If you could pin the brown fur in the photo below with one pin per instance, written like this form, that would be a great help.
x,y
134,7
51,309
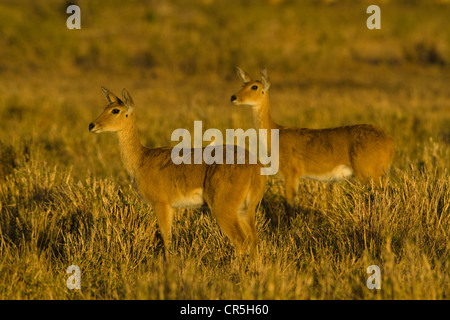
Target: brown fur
x,y
332,154
232,191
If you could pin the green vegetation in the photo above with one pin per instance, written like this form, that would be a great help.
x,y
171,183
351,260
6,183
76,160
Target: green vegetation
x,y
66,199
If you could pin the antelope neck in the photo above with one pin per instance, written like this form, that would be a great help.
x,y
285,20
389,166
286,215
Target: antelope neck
x,y
261,115
131,149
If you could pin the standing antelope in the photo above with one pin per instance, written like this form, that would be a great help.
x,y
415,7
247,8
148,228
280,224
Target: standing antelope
x,y
331,154
232,191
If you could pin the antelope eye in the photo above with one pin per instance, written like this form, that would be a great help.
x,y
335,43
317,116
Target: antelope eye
x,y
254,87
115,111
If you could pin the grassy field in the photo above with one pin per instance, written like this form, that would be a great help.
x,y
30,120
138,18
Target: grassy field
x,y
65,198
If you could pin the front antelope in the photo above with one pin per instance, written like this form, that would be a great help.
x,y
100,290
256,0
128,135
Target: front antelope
x,y
332,154
232,191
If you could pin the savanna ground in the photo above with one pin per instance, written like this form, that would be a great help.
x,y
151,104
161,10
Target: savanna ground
x,y
65,198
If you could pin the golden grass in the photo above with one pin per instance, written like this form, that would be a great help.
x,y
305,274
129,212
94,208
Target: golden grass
x,y
65,198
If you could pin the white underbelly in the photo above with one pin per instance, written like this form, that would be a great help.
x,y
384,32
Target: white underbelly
x,y
339,173
192,200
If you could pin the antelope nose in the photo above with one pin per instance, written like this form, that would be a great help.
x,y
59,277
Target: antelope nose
x,y
91,126
233,97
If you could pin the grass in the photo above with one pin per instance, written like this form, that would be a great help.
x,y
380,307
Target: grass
x,y
66,199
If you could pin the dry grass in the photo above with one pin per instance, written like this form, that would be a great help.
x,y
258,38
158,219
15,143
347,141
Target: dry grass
x,y
65,198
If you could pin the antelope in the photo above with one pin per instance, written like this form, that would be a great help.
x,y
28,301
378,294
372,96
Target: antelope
x,y
332,154
232,191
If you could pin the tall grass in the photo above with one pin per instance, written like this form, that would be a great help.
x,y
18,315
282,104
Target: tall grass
x,y
65,198
49,222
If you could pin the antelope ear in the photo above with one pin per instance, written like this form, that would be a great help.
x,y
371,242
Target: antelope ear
x,y
265,79
110,97
128,100
243,76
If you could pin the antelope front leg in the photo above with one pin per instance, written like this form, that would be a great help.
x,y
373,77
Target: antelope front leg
x,y
291,187
164,214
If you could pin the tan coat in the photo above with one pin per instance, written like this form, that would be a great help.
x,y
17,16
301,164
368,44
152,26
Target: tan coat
x,y
364,151
232,191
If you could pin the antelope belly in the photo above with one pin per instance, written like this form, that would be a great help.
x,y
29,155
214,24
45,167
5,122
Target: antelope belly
x,y
193,199
339,173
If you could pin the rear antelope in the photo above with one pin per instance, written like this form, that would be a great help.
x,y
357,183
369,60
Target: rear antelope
x,y
333,154
232,191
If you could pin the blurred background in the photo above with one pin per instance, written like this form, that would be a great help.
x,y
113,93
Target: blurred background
x,y
66,199
177,59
